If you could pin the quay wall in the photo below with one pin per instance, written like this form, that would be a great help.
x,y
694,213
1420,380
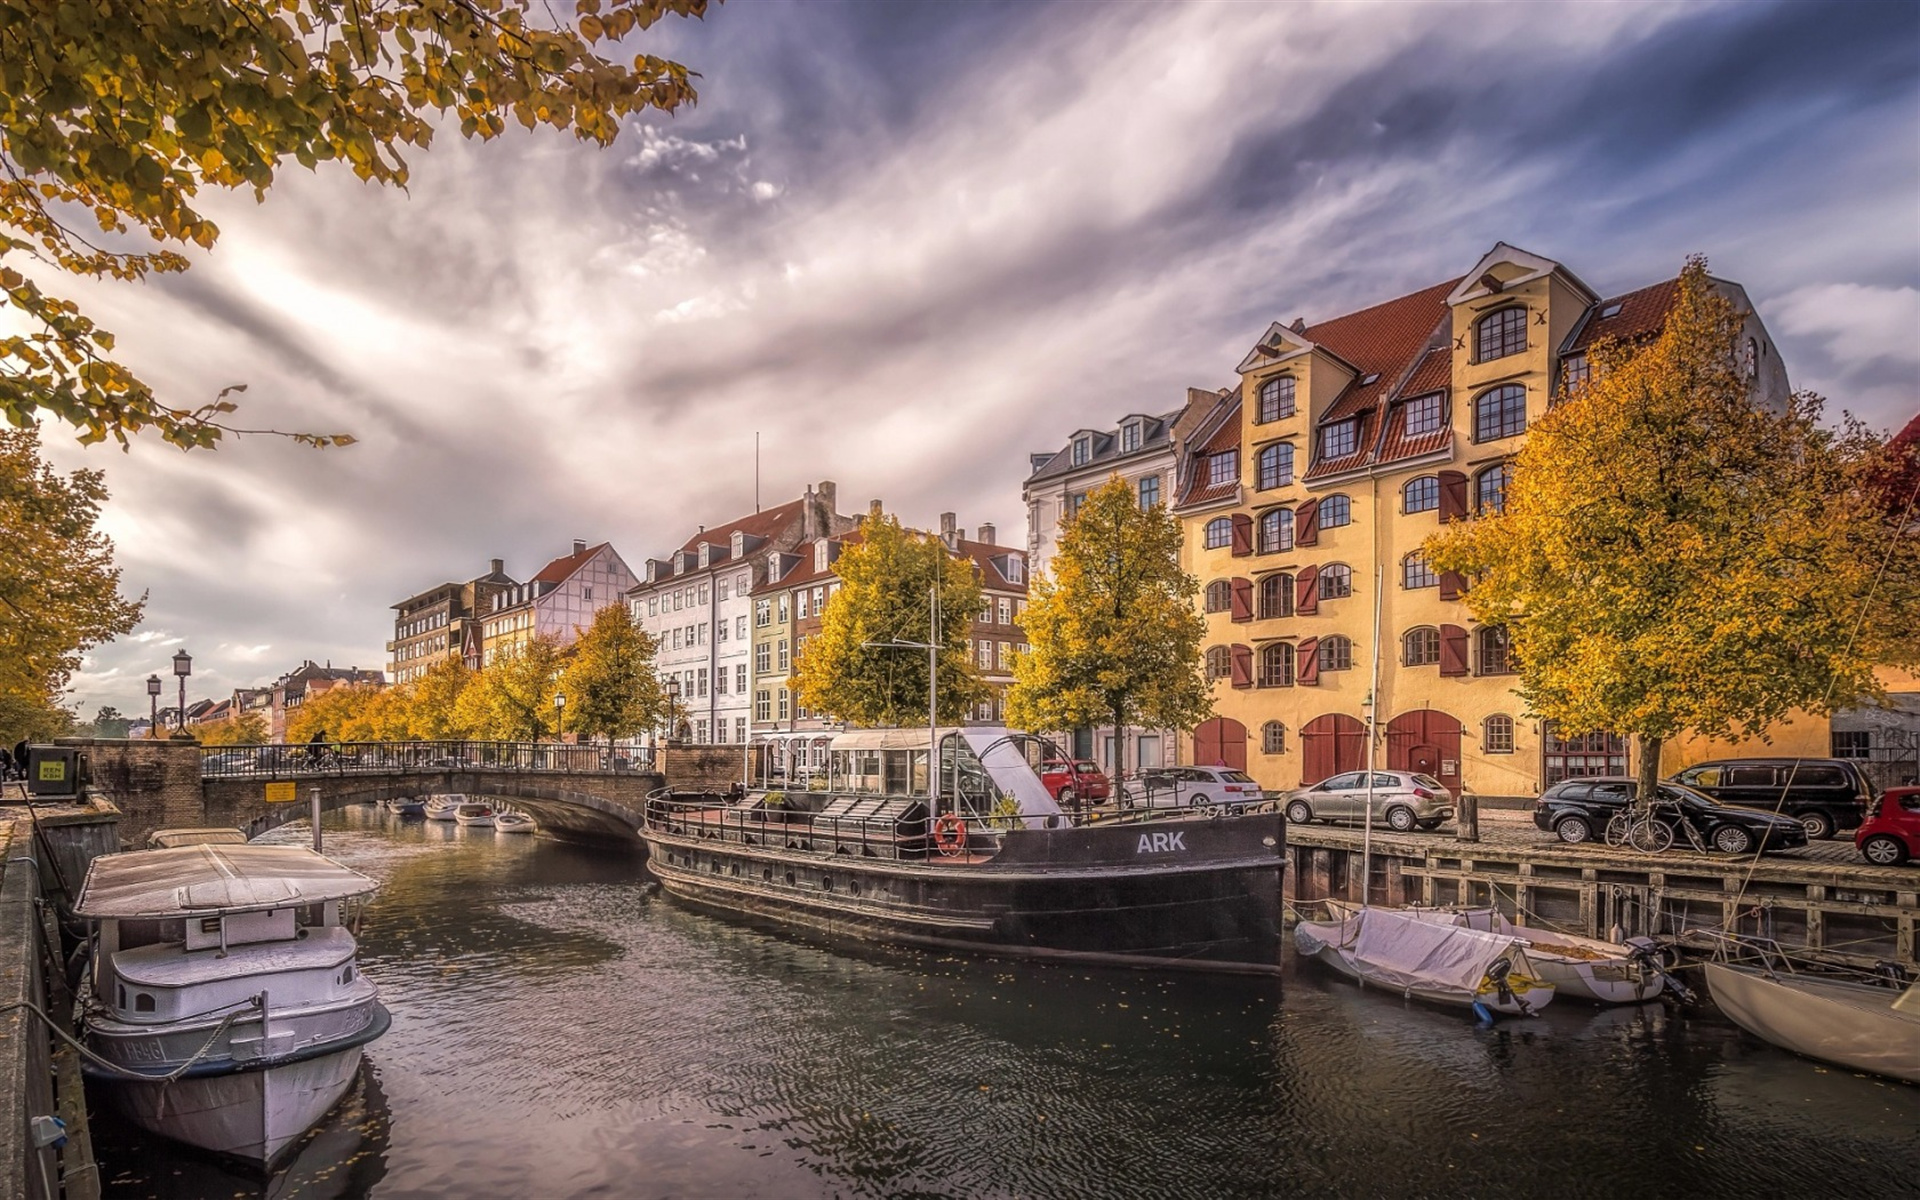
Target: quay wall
x,y
26,1059
1852,913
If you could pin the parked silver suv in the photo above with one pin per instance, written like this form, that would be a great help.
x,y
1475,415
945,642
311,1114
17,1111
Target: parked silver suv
x,y
1402,800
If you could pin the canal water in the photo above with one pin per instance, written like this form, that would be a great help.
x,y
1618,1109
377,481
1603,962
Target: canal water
x,y
559,1031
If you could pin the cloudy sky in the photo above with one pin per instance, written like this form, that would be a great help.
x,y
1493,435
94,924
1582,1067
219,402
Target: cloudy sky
x,y
909,244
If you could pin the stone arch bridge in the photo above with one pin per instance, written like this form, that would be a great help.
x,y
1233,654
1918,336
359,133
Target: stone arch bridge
x,y
574,791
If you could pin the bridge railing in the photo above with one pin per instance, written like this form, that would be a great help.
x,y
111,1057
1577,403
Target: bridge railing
x,y
351,758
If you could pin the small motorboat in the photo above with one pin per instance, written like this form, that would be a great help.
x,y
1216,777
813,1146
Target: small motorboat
x,y
474,816
1580,968
444,808
1423,959
223,997
508,821
1859,1026
407,806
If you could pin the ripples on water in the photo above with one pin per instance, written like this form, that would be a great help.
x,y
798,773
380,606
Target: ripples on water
x,y
559,1032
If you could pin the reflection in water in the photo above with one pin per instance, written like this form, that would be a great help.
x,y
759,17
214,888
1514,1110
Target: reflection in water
x,y
560,1031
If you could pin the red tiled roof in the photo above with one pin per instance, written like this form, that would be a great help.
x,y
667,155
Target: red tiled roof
x,y
1226,437
983,554
1380,341
561,569
762,524
1642,314
1362,451
1433,373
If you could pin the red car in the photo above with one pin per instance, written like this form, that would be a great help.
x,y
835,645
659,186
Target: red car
x,y
1891,835
1071,782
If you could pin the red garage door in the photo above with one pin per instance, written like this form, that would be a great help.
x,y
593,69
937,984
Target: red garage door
x,y
1220,742
1331,744
1427,741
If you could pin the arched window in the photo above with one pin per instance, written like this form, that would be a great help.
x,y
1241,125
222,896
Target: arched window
x,y
1335,510
1421,495
1335,581
1276,596
1490,489
1497,736
1276,399
1420,647
1336,653
1417,572
1275,466
1273,738
1219,533
1219,595
1219,663
1276,665
1496,650
1276,531
1500,413
1500,333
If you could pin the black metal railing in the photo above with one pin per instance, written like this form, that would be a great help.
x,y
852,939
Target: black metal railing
x,y
351,758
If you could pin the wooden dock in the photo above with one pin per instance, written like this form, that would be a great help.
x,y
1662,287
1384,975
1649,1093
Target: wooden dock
x,y
1845,912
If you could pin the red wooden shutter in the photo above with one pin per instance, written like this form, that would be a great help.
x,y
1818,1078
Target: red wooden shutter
x,y
1243,599
1306,524
1453,496
1453,585
1243,666
1242,535
1306,662
1306,590
1453,650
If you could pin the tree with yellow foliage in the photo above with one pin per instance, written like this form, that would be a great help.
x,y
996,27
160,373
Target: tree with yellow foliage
x,y
511,700
1112,626
1675,558
342,713
610,685
893,582
434,701
247,729
123,112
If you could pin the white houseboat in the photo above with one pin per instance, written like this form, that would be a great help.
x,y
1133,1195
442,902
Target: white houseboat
x,y
224,991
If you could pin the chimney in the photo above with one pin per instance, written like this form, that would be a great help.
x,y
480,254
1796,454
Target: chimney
x,y
986,534
496,565
949,529
873,508
579,547
829,497
809,517
1299,325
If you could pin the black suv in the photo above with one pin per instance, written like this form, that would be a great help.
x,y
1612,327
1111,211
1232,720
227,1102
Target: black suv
x,y
1578,810
1826,795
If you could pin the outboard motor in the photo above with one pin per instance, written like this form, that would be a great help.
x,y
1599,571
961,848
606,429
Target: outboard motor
x,y
1654,957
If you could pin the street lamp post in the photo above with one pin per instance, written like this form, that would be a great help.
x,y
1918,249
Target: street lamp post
x,y
182,667
153,706
673,698
559,713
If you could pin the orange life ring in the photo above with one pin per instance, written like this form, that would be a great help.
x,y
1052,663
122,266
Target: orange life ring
x,y
950,834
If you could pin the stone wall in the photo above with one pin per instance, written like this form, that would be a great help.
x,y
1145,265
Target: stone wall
x,y
26,1078
691,768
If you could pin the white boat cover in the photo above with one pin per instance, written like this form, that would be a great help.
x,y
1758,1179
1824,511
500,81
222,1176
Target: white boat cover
x,y
1405,951
204,880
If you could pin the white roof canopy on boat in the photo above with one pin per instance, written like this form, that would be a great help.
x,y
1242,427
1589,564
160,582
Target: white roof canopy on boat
x,y
209,880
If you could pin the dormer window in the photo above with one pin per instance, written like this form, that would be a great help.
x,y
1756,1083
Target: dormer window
x,y
1500,333
1223,468
1082,450
1129,437
1575,372
739,543
1015,569
1339,439
706,554
1423,414
1276,399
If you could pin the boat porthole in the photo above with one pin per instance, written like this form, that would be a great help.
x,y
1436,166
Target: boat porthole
x,y
826,883
766,873
853,887
142,1002
733,869
789,878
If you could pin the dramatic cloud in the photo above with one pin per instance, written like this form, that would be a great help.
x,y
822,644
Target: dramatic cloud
x,y
908,244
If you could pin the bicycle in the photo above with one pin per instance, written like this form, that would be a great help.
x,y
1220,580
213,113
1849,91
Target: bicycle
x,y
1653,831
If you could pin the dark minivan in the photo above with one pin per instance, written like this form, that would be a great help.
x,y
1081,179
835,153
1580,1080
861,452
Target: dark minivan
x,y
1826,795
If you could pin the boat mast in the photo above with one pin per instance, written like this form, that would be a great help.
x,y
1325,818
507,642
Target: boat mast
x,y
933,700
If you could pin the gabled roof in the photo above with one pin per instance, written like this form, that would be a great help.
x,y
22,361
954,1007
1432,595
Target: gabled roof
x,y
561,569
1278,343
991,576
1481,281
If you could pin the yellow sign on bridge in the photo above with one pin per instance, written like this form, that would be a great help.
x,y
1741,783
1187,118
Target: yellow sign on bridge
x,y
282,793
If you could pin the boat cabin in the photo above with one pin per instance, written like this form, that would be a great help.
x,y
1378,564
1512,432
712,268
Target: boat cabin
x,y
201,928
